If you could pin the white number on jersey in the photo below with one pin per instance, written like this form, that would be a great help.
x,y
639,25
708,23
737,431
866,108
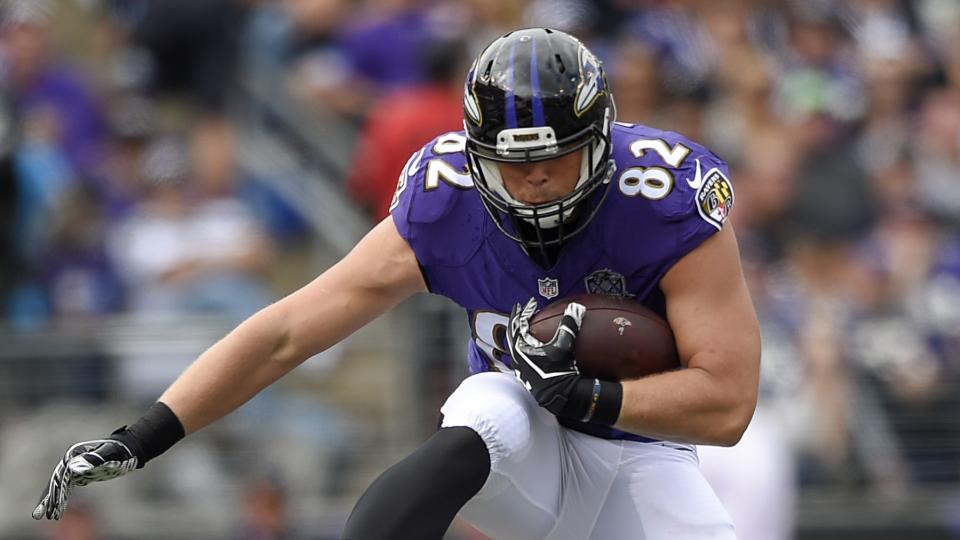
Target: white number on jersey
x,y
490,329
653,183
438,169
408,171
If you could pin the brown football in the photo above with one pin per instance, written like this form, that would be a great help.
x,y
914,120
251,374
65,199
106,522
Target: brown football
x,y
619,339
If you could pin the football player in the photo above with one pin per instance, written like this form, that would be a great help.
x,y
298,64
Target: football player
x,y
543,195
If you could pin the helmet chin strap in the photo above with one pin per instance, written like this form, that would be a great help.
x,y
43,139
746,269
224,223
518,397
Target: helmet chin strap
x,y
491,172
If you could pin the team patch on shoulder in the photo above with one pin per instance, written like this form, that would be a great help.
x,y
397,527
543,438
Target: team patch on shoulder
x,y
715,198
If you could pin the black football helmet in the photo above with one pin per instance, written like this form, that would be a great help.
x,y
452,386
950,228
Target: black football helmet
x,y
531,95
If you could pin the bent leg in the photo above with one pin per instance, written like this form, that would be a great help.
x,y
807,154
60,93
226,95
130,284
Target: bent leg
x,y
521,498
419,496
546,482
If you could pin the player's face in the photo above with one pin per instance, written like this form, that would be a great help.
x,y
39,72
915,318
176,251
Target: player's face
x,y
542,181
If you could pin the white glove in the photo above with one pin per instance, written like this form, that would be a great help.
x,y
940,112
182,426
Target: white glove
x,y
84,462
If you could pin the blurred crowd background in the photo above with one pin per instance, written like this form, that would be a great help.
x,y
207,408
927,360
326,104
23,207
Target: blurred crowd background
x,y
167,167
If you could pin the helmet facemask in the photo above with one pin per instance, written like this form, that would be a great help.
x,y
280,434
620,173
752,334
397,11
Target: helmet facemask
x,y
540,228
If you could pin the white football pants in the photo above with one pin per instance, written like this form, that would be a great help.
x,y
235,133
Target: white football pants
x,y
550,483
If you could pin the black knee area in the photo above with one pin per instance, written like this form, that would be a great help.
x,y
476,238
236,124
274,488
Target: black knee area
x,y
458,451
419,496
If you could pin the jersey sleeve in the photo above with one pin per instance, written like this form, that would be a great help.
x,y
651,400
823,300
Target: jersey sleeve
x,y
677,207
702,199
432,207
699,206
400,205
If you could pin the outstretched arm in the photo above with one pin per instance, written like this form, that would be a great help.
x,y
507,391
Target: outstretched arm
x,y
379,273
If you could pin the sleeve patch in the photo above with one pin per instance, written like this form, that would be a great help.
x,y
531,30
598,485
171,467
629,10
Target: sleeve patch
x,y
715,198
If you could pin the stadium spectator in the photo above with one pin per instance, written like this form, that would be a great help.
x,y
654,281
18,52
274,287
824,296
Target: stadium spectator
x,y
192,47
265,511
74,270
767,174
120,177
399,120
180,255
42,89
833,200
487,19
344,60
636,78
676,35
385,42
740,105
936,155
280,34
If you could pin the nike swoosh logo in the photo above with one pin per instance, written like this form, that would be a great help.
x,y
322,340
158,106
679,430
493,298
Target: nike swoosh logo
x,y
697,180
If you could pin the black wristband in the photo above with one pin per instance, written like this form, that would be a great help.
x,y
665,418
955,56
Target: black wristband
x,y
153,434
594,401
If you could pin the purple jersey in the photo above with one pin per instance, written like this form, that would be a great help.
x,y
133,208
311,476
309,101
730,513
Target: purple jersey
x,y
667,196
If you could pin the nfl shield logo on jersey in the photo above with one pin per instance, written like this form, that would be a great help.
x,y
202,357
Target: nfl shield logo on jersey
x,y
606,282
549,288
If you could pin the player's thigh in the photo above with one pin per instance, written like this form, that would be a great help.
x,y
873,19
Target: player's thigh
x,y
660,494
521,498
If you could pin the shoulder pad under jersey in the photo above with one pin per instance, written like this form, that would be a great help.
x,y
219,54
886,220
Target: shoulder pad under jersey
x,y
435,207
680,179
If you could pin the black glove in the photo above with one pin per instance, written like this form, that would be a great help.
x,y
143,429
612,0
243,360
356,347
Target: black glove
x,y
105,459
549,370
86,462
